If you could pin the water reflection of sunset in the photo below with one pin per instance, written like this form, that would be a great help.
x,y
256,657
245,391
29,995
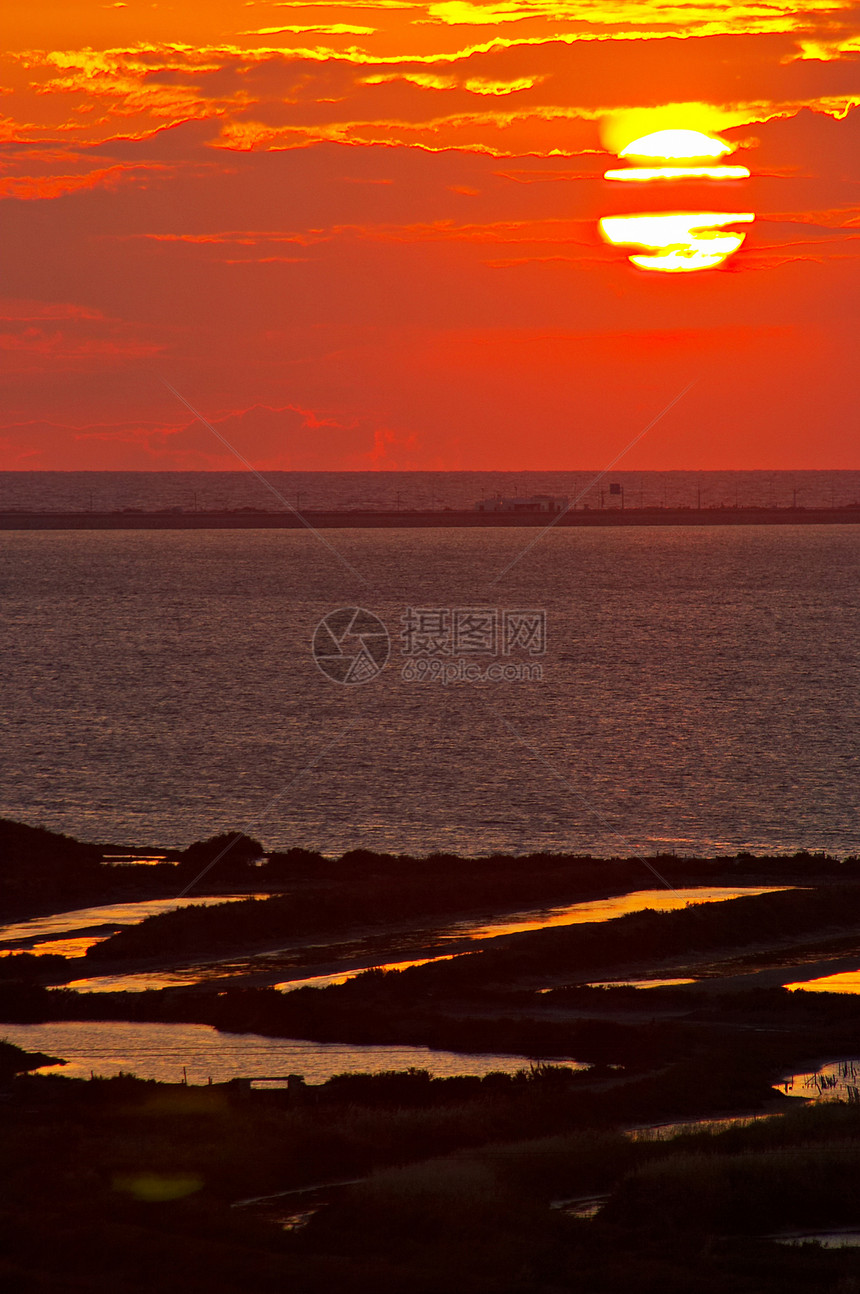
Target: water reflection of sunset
x,y
77,947
839,982
618,906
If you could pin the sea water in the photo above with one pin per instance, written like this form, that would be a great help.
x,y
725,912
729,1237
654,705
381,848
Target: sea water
x,y
697,690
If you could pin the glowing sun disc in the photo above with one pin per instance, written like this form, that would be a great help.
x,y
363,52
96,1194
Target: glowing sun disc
x,y
677,242
664,145
645,174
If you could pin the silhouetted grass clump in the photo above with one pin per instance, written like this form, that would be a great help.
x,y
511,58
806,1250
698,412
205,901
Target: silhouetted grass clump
x,y
15,1060
754,1192
481,1220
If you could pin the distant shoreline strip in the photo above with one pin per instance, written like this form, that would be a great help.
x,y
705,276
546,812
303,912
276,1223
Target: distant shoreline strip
x,y
251,519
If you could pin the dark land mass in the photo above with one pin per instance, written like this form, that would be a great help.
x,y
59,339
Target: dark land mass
x,y
15,1061
260,519
451,1181
496,999
375,891
456,1185
42,872
363,909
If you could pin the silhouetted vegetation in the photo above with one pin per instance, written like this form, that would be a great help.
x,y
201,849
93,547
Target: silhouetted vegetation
x,y
14,1060
134,1182
43,865
34,967
226,858
363,891
764,920
44,871
481,1219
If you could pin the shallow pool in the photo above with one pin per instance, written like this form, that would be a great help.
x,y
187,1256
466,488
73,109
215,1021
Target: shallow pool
x,y
165,1051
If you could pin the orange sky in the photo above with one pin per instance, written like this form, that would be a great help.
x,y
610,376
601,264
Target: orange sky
x,y
365,234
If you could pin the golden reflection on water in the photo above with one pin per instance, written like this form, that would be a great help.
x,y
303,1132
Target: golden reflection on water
x,y
134,860
844,982
127,913
141,981
607,909
638,983
135,982
662,900
839,1080
59,947
325,981
168,1052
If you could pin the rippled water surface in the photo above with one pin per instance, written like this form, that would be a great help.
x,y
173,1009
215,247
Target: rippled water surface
x,y
161,1050
841,982
699,692
838,1080
618,905
125,913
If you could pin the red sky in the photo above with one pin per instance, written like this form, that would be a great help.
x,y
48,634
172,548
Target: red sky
x,y
365,235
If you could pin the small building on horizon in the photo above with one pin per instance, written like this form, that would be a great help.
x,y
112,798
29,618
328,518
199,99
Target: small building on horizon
x,y
549,503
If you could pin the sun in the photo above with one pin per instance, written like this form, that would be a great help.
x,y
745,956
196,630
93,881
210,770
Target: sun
x,y
676,145
676,242
695,155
